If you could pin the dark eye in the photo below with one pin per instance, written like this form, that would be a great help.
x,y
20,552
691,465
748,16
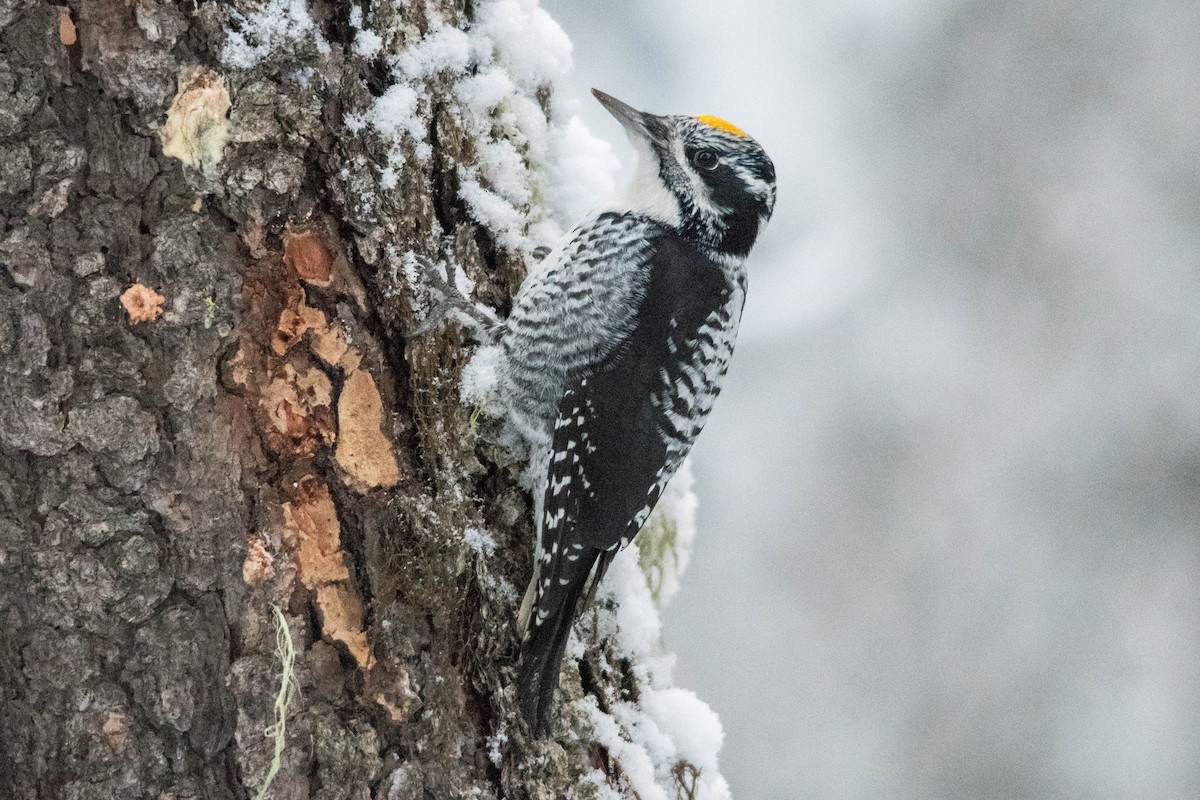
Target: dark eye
x,y
705,159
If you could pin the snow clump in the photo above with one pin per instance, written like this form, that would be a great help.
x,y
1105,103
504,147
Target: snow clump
x,y
277,25
498,69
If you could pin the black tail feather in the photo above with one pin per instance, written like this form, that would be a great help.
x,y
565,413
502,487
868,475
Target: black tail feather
x,y
604,558
546,640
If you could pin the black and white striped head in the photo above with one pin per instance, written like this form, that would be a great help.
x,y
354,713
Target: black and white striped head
x,y
701,175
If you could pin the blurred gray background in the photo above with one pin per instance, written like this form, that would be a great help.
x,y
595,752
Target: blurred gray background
x,y
950,499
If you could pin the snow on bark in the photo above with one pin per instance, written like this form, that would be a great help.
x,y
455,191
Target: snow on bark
x,y
251,430
499,72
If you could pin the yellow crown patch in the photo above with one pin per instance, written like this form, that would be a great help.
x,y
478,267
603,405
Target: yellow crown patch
x,y
721,125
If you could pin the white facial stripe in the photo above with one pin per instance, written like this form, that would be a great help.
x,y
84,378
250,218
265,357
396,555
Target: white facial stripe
x,y
754,184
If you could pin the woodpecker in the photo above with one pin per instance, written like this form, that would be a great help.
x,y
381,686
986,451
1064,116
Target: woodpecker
x,y
614,353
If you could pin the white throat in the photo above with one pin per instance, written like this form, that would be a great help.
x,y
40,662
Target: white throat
x,y
646,193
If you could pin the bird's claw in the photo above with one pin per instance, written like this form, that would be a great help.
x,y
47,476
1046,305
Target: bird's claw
x,y
452,301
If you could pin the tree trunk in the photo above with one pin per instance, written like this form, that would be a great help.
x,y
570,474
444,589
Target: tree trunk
x,y
251,541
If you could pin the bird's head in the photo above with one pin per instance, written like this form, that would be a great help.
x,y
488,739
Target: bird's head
x,y
701,175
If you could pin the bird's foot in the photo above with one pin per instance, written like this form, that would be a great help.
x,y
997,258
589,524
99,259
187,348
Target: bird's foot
x,y
442,286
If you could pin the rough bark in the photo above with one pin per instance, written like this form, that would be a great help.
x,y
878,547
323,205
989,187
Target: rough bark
x,y
263,437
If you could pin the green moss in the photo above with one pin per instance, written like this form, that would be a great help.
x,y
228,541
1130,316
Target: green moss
x,y
657,539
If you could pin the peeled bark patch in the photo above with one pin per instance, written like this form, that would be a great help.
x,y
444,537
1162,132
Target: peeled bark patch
x,y
142,303
197,126
259,564
66,27
292,324
328,340
307,255
116,732
341,616
298,404
312,533
362,450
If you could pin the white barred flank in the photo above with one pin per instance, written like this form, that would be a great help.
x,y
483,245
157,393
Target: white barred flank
x,y
571,310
